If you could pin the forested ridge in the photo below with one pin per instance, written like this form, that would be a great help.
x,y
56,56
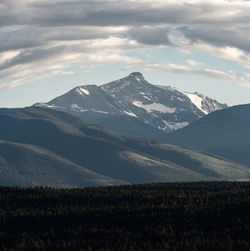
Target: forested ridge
x,y
170,216
44,147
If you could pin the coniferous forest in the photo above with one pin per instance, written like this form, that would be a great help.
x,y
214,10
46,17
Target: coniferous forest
x,y
171,216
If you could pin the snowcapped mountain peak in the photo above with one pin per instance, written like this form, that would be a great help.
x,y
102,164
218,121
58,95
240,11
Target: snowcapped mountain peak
x,y
163,108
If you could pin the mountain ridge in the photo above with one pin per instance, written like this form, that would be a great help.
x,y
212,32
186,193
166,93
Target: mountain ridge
x,y
151,107
47,169
224,132
65,141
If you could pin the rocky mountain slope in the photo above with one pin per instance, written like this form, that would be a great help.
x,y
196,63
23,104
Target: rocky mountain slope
x,y
144,109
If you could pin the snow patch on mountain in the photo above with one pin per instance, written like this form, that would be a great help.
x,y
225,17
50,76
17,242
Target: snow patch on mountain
x,y
175,126
93,110
196,100
154,107
82,91
75,106
146,97
45,105
130,113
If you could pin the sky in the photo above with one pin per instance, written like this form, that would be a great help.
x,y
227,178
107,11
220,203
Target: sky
x,y
49,47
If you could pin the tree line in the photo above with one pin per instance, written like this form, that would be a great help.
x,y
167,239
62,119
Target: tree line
x,y
167,216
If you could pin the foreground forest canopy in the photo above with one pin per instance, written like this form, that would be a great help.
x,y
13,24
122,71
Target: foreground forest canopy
x,y
171,216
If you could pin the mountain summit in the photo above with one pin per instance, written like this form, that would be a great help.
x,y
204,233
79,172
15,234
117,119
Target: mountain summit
x,y
134,106
137,75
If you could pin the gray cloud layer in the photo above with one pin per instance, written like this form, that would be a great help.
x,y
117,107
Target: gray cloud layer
x,y
41,37
240,78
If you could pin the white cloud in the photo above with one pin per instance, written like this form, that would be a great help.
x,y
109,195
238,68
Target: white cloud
x,y
38,37
8,55
240,78
37,63
32,78
193,63
228,53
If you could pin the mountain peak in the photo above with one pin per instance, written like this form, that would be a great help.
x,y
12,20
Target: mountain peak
x,y
162,108
137,75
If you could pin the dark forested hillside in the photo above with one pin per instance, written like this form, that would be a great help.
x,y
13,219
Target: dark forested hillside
x,y
52,148
29,165
174,216
225,133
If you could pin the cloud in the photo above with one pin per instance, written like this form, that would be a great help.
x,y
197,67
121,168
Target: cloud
x,y
227,53
193,63
30,37
58,56
129,13
150,36
33,78
38,37
240,78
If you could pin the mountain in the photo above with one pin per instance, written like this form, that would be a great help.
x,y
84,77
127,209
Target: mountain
x,y
204,103
225,133
131,105
29,165
47,147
